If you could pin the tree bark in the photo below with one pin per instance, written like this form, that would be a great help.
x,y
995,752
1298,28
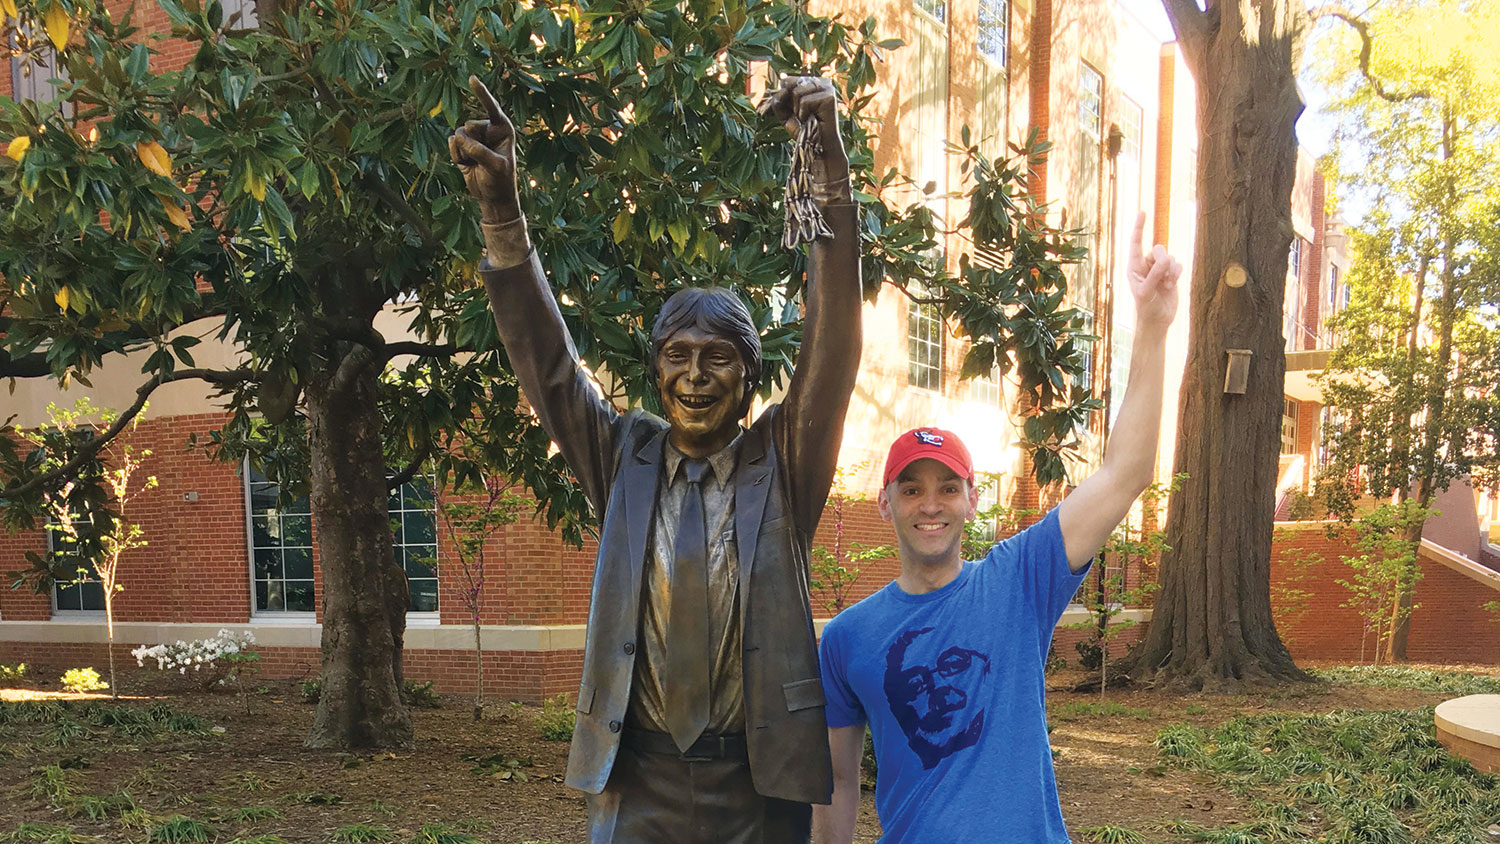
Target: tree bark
x,y
1212,626
364,592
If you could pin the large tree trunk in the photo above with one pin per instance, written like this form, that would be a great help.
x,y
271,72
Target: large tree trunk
x,y
1212,627
363,590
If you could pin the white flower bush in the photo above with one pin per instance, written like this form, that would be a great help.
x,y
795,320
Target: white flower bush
x,y
180,656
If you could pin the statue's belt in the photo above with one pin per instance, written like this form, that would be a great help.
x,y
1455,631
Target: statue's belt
x,y
706,747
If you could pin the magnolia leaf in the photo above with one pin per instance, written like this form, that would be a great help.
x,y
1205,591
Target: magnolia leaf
x,y
255,185
175,213
621,227
155,158
16,150
56,20
62,297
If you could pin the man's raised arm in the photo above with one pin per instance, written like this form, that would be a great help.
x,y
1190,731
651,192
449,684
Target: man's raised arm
x,y
541,352
1099,503
818,396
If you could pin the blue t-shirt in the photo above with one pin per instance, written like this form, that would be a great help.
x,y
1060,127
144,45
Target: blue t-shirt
x,y
951,685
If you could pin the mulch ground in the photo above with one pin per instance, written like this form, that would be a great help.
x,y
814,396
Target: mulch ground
x,y
1107,768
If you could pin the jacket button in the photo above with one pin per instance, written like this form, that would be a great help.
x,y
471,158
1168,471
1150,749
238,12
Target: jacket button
x,y
614,726
630,647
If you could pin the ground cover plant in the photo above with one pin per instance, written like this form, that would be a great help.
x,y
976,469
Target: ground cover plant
x,y
1143,766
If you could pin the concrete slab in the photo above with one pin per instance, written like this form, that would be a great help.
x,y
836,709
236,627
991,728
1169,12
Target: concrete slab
x,y
1470,727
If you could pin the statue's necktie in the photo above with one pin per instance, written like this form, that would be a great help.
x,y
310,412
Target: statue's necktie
x,y
687,673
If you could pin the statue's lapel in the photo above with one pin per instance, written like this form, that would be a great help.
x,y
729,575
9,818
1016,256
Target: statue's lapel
x,y
751,486
639,480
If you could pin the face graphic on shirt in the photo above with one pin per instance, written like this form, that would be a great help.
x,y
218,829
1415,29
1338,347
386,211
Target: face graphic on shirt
x,y
934,693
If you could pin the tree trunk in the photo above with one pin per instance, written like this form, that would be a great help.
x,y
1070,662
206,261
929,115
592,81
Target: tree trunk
x,y
1212,626
364,592
478,671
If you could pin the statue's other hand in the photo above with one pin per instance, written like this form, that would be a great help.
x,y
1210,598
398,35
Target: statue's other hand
x,y
485,152
801,97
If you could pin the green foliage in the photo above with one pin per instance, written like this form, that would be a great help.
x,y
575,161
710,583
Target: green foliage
x,y
1404,677
100,808
12,673
268,838
1347,777
835,568
180,829
245,814
362,832
81,680
419,695
1108,834
434,833
1493,608
501,766
1074,710
1385,571
52,784
45,833
556,720
311,690
1136,543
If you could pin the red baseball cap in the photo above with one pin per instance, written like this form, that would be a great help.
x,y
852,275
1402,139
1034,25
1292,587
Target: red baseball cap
x,y
943,446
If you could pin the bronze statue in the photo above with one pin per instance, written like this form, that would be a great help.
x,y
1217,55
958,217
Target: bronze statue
x,y
700,714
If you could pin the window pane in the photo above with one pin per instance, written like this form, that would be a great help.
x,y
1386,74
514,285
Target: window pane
x,y
424,595
421,561
268,564
420,528
298,563
296,530
993,29
299,595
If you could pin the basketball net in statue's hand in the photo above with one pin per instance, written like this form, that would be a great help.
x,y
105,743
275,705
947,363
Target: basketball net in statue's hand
x,y
804,219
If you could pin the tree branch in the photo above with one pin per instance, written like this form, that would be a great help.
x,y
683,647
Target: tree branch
x,y
1367,44
90,447
399,204
1189,22
395,481
426,350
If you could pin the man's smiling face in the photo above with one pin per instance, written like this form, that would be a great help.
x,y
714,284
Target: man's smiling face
x,y
928,504
701,379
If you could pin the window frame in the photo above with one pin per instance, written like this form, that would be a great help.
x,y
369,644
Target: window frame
x,y
398,545
924,313
92,576
1290,411
256,613
987,25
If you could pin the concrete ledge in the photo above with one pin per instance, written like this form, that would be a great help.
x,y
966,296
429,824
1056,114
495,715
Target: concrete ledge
x,y
284,633
1470,727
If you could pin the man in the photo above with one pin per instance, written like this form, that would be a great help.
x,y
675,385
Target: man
x,y
945,663
700,715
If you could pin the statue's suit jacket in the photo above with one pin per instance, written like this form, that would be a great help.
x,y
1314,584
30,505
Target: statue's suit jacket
x,y
785,466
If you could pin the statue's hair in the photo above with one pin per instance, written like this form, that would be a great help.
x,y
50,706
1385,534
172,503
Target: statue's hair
x,y
717,311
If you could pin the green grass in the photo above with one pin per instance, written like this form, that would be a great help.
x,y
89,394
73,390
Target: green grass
x,y
362,832
52,785
99,808
246,814
268,838
180,829
46,833
1076,709
1348,777
435,833
1108,834
1419,679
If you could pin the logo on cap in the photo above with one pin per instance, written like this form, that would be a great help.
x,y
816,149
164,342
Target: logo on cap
x,y
929,438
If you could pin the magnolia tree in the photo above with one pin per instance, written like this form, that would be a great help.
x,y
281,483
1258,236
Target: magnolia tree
x,y
291,181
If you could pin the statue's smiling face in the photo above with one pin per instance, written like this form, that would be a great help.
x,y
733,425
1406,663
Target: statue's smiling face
x,y
701,380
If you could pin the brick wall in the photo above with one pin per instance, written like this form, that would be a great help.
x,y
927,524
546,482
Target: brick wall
x,y
1449,624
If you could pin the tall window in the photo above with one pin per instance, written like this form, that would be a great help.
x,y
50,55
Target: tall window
x,y
936,8
245,9
414,524
1130,127
993,35
924,344
986,391
280,548
1086,191
1293,319
85,592
1288,426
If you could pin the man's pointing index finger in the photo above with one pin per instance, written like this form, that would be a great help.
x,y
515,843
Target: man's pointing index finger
x,y
491,105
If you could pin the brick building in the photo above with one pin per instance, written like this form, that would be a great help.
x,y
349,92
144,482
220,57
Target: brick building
x,y
222,554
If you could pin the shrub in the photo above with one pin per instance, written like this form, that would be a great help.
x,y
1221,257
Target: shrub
x,y
219,660
80,680
312,690
419,695
557,720
12,673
